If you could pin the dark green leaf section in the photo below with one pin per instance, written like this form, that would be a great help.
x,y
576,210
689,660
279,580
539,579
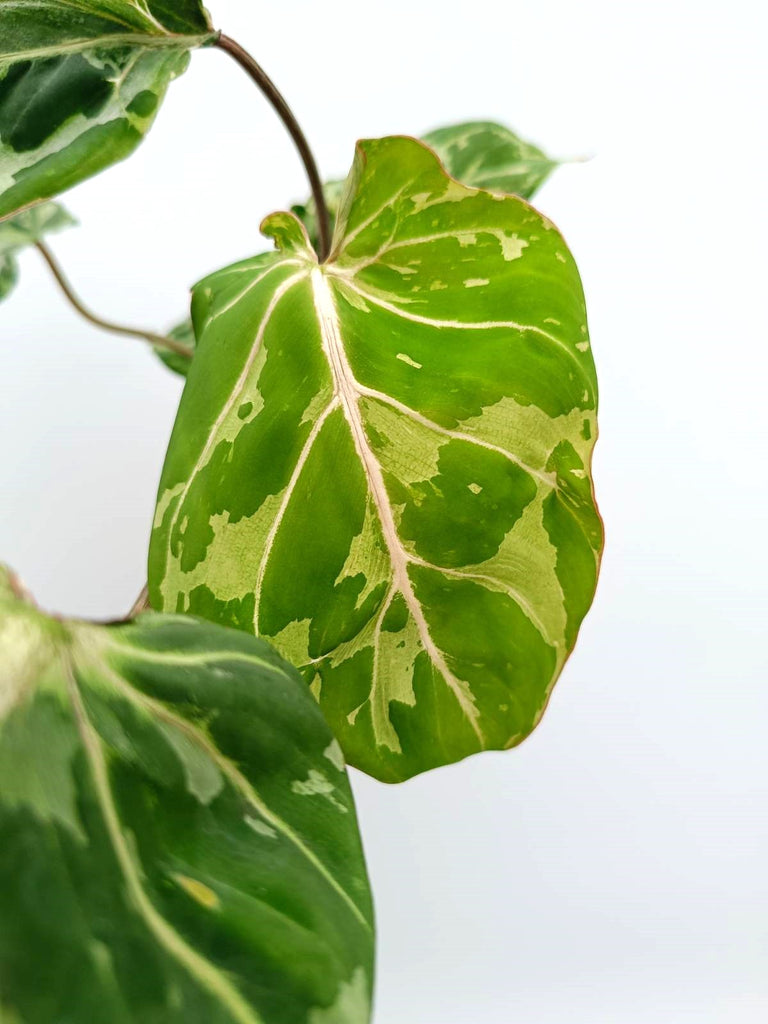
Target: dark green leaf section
x,y
382,464
80,84
23,230
488,155
179,841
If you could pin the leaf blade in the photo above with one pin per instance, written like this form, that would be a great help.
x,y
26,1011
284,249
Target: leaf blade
x,y
392,476
80,85
191,815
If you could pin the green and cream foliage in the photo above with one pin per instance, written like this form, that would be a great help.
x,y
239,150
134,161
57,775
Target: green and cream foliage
x,y
382,464
488,155
477,153
24,230
179,841
80,84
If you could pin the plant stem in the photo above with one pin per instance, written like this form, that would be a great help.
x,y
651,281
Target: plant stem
x,y
284,112
159,340
141,604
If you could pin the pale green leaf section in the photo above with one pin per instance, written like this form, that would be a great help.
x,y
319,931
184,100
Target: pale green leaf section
x,y
21,232
80,84
179,840
382,464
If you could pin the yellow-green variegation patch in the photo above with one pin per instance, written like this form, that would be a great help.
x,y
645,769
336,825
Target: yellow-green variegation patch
x,y
382,464
80,84
178,837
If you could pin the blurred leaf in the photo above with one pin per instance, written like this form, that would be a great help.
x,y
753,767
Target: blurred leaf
x,y
23,230
80,84
179,840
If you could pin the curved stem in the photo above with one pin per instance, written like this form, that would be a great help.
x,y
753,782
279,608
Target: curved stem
x,y
154,339
284,112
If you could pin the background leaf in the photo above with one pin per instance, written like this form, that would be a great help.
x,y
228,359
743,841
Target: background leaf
x,y
23,230
383,464
80,84
185,333
179,841
488,155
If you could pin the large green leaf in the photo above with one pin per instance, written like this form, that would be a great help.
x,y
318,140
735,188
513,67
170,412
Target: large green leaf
x,y
382,464
488,155
80,83
178,836
24,230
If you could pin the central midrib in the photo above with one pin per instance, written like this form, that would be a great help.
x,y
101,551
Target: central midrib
x,y
345,386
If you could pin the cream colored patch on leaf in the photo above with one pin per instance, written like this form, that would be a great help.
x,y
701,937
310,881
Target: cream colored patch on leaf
x,y
318,784
260,827
511,246
476,282
351,1006
293,641
530,433
164,501
199,892
335,755
407,359
367,556
204,780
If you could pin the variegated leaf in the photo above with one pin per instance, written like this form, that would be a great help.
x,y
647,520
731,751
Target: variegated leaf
x,y
23,230
488,155
382,464
80,84
178,838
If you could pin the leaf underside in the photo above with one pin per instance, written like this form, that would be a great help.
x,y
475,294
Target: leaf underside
x,y
382,465
179,841
80,84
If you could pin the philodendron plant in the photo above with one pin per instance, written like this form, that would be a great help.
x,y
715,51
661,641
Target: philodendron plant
x,y
375,541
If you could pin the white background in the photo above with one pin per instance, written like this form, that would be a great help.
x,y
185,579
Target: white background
x,y
612,870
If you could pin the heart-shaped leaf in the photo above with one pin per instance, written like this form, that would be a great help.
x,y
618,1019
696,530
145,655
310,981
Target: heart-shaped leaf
x,y
178,836
23,230
382,464
80,84
488,155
